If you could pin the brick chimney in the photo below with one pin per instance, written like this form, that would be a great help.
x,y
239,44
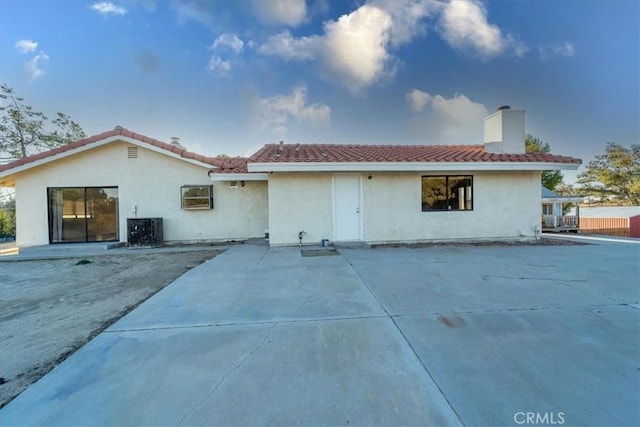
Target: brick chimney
x,y
504,131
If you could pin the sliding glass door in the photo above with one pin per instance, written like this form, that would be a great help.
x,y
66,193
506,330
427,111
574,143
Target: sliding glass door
x,y
83,214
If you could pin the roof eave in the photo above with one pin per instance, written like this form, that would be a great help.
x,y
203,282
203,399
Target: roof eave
x,y
562,199
232,176
406,166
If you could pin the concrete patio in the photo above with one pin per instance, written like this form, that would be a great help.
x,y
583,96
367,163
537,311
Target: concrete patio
x,y
441,335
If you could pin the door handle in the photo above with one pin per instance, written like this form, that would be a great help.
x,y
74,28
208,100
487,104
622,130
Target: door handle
x,y
357,210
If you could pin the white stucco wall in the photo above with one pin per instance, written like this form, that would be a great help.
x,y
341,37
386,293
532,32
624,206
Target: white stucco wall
x,y
299,202
506,206
152,184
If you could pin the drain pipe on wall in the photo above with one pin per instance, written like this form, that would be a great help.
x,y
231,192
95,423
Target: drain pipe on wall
x,y
300,234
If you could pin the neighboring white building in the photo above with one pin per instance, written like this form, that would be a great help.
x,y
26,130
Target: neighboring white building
x,y
553,217
87,190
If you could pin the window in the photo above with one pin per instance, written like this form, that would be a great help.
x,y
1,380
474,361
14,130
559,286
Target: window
x,y
447,193
197,197
83,214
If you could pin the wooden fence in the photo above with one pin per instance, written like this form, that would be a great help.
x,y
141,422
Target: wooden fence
x,y
608,226
634,226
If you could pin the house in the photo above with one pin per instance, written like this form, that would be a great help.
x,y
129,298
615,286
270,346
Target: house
x,y
553,217
87,190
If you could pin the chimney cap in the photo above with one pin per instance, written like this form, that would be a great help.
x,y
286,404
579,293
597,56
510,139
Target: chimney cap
x,y
504,107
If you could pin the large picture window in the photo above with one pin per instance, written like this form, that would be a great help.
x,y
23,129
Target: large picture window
x,y
83,214
197,196
447,193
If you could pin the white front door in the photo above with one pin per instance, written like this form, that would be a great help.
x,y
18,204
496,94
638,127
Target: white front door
x,y
347,217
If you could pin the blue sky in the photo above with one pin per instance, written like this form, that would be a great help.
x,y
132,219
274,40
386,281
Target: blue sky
x,y
229,76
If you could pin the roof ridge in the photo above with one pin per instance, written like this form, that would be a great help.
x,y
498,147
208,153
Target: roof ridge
x,y
330,144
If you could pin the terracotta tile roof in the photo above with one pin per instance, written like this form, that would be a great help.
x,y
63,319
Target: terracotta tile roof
x,y
223,163
232,165
287,153
291,153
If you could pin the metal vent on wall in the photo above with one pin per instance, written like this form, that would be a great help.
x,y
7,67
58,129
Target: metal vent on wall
x,y
132,152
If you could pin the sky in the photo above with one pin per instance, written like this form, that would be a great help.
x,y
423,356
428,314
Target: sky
x,y
229,76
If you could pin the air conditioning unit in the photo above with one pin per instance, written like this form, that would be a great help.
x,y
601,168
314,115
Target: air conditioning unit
x,y
144,232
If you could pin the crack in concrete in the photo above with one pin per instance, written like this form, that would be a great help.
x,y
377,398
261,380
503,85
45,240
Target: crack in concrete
x,y
215,388
241,323
510,310
486,277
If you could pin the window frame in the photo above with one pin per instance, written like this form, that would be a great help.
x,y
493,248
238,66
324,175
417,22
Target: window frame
x,y
209,198
467,200
84,215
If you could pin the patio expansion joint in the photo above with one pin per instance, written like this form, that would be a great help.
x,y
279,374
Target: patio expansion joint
x,y
450,406
266,251
231,371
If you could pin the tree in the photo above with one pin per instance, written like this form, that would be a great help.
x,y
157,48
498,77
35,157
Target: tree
x,y
565,190
550,179
24,131
7,217
614,173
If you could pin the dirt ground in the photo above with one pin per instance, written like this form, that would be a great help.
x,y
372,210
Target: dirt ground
x,y
50,308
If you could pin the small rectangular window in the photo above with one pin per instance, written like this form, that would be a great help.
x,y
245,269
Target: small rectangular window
x,y
447,193
197,196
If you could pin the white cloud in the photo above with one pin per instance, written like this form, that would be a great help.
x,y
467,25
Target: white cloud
x,y
353,48
219,66
556,49
418,99
281,12
26,46
464,25
275,113
108,8
456,120
285,46
225,42
459,109
34,67
230,41
357,49
408,17
199,11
